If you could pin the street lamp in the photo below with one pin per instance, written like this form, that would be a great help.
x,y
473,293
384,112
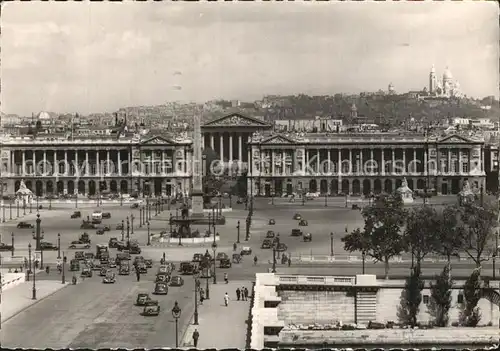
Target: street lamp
x,y
209,222
63,268
247,233
214,248
326,199
38,221
10,210
170,223
128,233
17,205
238,228
176,313
149,236
123,230
58,246
12,234
132,224
331,244
29,263
206,260
140,218
34,278
495,253
363,256
196,287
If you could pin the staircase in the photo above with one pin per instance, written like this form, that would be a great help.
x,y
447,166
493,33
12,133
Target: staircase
x,y
366,308
491,295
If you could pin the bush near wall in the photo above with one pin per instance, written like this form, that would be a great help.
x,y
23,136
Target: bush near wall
x,y
250,318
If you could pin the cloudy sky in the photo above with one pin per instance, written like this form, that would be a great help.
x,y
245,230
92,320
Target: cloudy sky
x,y
96,57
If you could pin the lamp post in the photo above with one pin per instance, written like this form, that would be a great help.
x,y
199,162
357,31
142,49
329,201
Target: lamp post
x,y
34,278
29,263
331,244
58,246
214,248
38,221
12,235
31,207
10,211
207,275
63,279
220,206
238,228
149,236
247,233
495,253
196,287
209,222
170,223
363,255
128,233
326,199
123,230
132,224
17,205
176,313
140,218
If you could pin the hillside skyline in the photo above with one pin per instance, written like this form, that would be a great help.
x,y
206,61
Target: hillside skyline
x,y
99,57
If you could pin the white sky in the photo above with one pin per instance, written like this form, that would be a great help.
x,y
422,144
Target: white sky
x,y
96,57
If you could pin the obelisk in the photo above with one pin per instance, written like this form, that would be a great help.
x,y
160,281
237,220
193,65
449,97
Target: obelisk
x,y
197,193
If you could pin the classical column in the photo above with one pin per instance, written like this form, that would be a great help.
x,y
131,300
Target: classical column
x,y
107,162
339,162
404,161
230,148
202,144
372,171
426,169
87,166
98,169
482,161
34,163
221,141
23,168
212,141
349,171
273,168
393,155
283,165
303,170
382,161
317,161
414,163
55,168
449,161
162,168
77,166
45,162
329,155
240,148
119,160
66,166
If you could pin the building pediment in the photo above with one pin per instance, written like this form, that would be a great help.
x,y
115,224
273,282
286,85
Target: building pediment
x,y
278,139
158,140
455,139
237,120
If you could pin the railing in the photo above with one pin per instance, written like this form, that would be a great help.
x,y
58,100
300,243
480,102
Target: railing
x,y
315,280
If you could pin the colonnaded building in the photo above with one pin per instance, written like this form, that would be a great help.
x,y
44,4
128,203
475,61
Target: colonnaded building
x,y
276,163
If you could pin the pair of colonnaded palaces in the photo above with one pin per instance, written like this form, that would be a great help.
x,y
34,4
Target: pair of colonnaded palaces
x,y
277,163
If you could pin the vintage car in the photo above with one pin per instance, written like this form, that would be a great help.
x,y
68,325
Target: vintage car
x,y
122,256
221,256
87,272
96,221
77,244
303,223
100,231
46,246
87,225
161,288
237,258
187,268
104,260
355,207
246,250
197,257
308,237
119,226
148,262
176,281
138,259
80,255
96,265
89,255
110,277
267,244
162,277
103,271
111,262
106,215
6,247
76,214
85,238
281,247
25,225
163,269
225,263
135,249
134,205
151,310
74,265
124,269
113,242
142,299
141,267
297,216
272,221
296,232
270,234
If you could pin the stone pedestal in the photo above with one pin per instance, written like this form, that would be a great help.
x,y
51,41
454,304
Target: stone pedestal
x,y
197,204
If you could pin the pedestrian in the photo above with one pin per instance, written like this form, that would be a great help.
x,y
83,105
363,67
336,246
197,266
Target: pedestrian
x,y
289,260
246,294
226,299
226,279
202,297
238,292
196,336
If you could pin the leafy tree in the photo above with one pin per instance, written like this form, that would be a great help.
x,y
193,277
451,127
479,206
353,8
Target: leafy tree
x,y
470,314
440,302
449,233
419,237
381,237
479,223
411,298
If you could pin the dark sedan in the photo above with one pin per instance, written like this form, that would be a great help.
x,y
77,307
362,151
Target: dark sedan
x,y
176,281
48,246
5,247
25,225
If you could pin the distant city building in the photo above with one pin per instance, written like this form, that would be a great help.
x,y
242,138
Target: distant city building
x,y
446,87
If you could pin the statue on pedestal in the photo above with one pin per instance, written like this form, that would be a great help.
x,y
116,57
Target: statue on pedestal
x,y
466,196
405,192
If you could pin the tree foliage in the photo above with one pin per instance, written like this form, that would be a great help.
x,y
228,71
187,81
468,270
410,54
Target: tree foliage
x,y
420,233
381,237
470,315
411,298
449,232
479,224
440,301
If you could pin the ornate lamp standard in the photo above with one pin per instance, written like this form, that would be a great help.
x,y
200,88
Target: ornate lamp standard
x,y
214,248
12,251
196,287
28,271
140,218
209,222
149,236
207,262
63,279
176,313
238,229
132,224
170,223
331,244
34,277
59,246
128,233
123,230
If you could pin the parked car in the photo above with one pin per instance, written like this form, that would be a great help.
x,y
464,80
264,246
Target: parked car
x,y
100,232
296,232
281,247
110,277
5,247
112,262
87,225
87,272
112,243
46,246
148,262
272,221
308,237
303,223
79,245
246,250
124,269
161,288
151,310
106,215
221,256
266,244
135,205
119,226
297,216
270,234
76,214
25,225
197,257
225,263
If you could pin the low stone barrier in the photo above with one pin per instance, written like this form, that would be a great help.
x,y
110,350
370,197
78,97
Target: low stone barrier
x,y
167,241
10,280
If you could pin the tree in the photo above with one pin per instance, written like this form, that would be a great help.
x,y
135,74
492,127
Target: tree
x,y
419,237
411,298
381,237
440,302
449,233
479,223
470,315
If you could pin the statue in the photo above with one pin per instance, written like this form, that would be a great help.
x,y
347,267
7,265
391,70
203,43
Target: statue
x,y
466,196
405,192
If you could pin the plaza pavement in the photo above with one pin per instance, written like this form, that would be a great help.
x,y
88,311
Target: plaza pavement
x,y
221,327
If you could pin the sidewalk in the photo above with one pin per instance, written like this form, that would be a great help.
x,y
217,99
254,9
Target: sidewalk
x,y
18,298
221,327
